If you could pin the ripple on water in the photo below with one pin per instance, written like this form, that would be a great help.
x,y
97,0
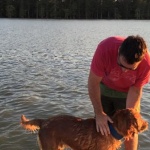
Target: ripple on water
x,y
45,73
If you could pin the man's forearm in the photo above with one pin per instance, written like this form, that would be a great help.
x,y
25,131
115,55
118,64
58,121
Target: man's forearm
x,y
96,101
134,98
94,93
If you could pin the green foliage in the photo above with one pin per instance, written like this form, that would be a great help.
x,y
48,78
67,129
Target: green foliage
x,y
75,9
10,11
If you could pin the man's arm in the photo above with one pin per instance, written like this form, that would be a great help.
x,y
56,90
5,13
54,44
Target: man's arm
x,y
95,96
134,98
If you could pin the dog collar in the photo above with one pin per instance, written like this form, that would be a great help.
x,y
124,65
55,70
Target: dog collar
x,y
114,133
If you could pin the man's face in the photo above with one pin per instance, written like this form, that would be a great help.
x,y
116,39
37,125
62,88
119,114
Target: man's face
x,y
124,65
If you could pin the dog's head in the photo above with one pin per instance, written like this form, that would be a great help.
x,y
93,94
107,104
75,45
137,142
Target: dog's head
x,y
128,122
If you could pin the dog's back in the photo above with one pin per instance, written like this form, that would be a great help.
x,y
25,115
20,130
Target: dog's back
x,y
81,134
60,130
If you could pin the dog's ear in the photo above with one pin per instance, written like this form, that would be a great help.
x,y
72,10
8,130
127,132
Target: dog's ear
x,y
128,122
143,126
123,122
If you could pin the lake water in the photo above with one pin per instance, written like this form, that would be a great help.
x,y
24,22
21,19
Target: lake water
x,y
44,66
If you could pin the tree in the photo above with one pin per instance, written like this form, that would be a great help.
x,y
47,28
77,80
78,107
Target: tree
x,y
21,9
2,8
76,9
108,9
10,11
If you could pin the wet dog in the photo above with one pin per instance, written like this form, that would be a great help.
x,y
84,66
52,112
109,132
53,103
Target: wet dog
x,y
81,134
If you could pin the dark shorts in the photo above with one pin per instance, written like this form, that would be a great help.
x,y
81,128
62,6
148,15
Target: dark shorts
x,y
111,105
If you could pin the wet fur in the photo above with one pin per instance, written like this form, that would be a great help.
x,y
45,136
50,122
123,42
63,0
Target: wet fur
x,y
81,134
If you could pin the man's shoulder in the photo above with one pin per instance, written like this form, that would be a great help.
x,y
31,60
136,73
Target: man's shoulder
x,y
110,44
114,39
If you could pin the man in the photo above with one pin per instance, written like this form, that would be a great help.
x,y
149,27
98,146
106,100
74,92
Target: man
x,y
119,70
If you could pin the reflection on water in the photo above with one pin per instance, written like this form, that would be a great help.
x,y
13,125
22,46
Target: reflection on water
x,y
44,70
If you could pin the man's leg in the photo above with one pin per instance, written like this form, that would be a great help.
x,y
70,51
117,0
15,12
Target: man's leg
x,y
119,103
110,106
107,104
132,144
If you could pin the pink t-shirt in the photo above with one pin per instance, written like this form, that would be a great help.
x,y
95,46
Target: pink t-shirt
x,y
104,64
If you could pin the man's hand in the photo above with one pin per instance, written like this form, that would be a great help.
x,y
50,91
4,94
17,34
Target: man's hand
x,y
102,124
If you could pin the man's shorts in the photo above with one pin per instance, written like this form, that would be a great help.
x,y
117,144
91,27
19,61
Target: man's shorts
x,y
112,100
111,105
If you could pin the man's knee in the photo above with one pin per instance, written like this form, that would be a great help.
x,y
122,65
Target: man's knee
x,y
131,144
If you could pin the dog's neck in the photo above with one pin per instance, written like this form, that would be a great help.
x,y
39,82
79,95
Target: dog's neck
x,y
114,133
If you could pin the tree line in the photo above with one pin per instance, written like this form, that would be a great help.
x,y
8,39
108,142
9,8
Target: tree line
x,y
75,9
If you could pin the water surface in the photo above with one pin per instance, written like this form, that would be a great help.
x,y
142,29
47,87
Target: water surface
x,y
44,71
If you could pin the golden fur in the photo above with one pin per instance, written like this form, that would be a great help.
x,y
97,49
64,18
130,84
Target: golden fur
x,y
81,134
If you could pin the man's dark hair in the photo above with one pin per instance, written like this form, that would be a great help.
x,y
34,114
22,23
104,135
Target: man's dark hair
x,y
133,49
